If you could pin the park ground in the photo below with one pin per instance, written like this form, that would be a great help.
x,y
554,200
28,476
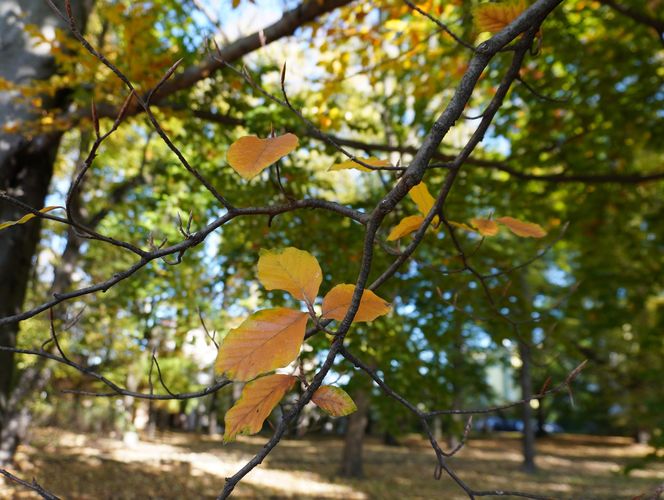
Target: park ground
x,y
175,466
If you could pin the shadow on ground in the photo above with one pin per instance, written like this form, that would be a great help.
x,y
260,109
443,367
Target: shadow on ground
x,y
176,466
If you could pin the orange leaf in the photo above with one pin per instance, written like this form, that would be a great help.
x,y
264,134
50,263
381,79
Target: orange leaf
x,y
258,399
292,270
373,161
334,401
463,226
407,225
26,218
486,227
250,155
266,340
494,17
337,301
521,228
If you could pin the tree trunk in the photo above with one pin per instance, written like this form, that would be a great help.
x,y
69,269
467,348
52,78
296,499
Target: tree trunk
x,y
351,460
16,417
26,168
525,377
526,380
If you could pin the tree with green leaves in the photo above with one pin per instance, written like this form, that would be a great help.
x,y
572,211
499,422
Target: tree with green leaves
x,y
194,187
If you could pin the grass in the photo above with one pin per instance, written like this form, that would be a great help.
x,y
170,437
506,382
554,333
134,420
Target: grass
x,y
83,466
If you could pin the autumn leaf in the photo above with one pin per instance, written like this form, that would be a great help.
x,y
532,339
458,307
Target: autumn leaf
x,y
422,198
485,227
250,155
334,401
257,401
494,17
348,164
405,227
337,301
292,270
522,228
266,340
462,225
26,218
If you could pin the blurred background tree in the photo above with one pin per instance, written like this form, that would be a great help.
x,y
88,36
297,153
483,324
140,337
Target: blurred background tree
x,y
576,147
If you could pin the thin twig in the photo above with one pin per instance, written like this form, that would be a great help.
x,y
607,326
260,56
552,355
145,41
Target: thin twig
x,y
34,485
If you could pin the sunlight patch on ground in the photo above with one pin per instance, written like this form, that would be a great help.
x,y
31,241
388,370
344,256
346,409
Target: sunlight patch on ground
x,y
176,465
593,466
499,455
648,474
222,464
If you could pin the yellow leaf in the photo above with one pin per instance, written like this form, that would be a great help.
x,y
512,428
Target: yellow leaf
x,y
250,155
258,399
395,24
7,84
486,227
334,401
337,301
266,340
373,161
26,218
11,127
407,225
422,198
494,17
522,228
292,270
463,226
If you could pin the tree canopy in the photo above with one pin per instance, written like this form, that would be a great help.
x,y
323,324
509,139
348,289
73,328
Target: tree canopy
x,y
408,193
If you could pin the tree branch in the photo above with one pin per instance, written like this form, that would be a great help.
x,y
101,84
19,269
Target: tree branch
x,y
116,389
527,21
34,485
502,166
291,20
638,16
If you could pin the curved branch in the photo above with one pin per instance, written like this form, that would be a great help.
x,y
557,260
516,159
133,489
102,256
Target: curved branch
x,y
502,166
598,178
528,21
441,25
291,20
424,416
115,388
34,485
179,248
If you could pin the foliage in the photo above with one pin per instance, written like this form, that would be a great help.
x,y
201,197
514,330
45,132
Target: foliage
x,y
272,338
585,105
